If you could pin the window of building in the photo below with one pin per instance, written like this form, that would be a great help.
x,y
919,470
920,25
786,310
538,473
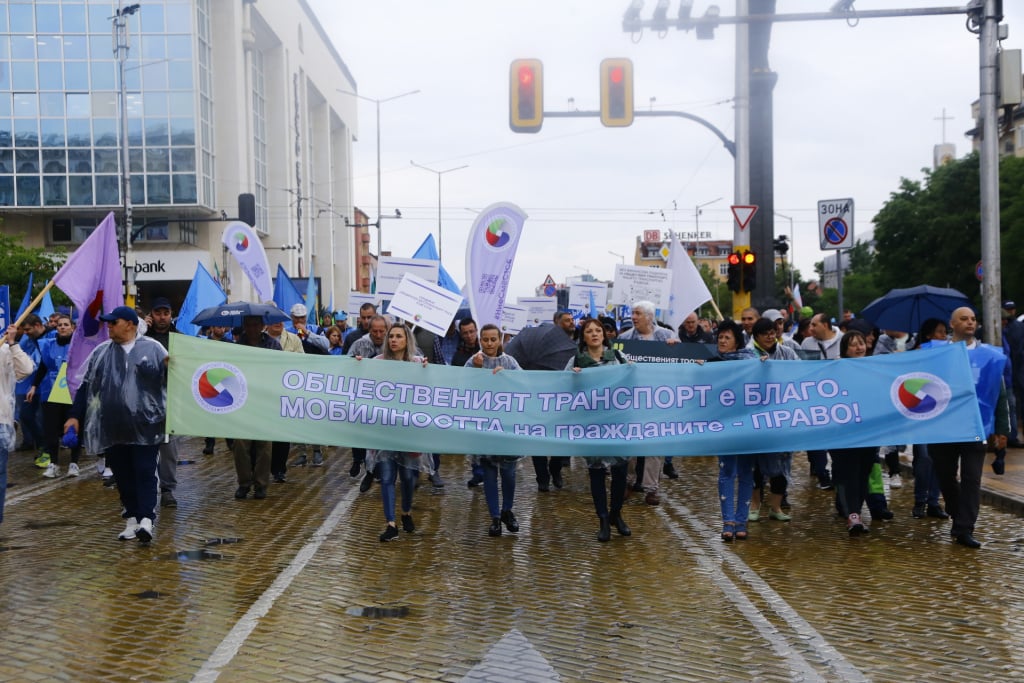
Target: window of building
x,y
259,127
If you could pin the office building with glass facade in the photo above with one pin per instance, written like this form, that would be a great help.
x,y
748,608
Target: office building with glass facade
x,y
221,98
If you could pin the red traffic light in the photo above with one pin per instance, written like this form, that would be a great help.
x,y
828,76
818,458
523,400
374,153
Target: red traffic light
x,y
615,75
526,76
734,259
749,258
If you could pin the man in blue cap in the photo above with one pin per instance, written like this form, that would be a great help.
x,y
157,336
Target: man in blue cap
x,y
119,410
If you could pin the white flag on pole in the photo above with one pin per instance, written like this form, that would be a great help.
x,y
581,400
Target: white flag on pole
x,y
688,288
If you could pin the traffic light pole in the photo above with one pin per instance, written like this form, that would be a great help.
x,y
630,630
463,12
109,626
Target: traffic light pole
x,y
729,145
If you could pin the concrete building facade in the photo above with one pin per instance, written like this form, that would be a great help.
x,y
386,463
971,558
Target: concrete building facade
x,y
222,97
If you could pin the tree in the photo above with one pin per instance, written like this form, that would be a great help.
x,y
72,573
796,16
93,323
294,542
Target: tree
x,y
720,294
930,233
17,261
861,284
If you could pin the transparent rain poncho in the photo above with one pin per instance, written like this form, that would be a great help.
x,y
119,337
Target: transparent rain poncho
x,y
127,396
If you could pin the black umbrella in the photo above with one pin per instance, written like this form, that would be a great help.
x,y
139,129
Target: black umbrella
x,y
232,314
547,347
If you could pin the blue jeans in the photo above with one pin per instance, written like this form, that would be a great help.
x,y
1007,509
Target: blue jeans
x,y
6,442
735,487
389,471
508,484
30,419
926,484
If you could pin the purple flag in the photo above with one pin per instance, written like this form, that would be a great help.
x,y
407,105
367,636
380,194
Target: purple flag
x,y
490,251
91,277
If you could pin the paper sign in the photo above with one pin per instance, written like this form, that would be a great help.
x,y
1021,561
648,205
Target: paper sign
x,y
580,294
640,283
424,304
513,318
539,309
390,271
356,301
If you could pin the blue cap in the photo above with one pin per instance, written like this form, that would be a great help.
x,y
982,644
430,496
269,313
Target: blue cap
x,y
121,313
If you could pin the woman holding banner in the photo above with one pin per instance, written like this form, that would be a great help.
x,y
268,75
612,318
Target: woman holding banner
x,y
395,464
594,351
492,356
851,467
735,472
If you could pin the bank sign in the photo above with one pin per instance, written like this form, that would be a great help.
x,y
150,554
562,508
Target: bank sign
x,y
168,265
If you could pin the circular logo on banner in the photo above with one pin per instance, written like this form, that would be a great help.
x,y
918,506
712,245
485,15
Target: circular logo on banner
x,y
219,388
920,395
497,235
241,241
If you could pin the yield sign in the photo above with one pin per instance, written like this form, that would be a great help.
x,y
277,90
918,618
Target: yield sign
x,y
743,213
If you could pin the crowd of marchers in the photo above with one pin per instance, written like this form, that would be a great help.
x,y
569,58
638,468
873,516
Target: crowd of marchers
x,y
117,413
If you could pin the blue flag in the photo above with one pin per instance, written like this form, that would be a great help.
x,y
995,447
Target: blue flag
x,y
202,293
428,250
285,293
5,308
27,299
46,305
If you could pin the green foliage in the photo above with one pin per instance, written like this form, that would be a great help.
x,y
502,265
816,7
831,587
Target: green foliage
x,y
17,261
720,294
930,233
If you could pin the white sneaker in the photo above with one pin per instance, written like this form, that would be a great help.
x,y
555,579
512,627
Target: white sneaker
x,y
144,532
52,471
108,473
895,481
130,529
73,469
101,465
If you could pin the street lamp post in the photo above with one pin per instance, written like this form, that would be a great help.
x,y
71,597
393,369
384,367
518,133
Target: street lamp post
x,y
439,174
121,48
621,256
377,103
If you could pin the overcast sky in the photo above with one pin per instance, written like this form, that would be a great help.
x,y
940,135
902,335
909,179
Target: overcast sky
x,y
856,109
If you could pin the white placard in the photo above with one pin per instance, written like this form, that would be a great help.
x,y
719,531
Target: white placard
x,y
424,304
640,283
539,309
356,301
579,297
391,269
513,319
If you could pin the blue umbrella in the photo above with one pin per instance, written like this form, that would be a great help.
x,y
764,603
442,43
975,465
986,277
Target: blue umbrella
x,y
905,309
233,313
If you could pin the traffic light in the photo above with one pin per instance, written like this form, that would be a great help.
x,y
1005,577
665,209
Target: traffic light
x,y
735,277
526,95
247,209
616,92
749,263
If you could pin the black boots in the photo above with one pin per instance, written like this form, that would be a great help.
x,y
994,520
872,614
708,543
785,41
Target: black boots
x,y
605,534
510,521
620,524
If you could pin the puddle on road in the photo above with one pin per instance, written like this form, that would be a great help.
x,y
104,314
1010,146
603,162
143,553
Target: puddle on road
x,y
5,548
147,595
378,612
50,524
221,541
186,555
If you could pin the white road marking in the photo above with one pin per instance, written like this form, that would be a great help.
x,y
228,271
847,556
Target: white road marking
x,y
243,628
709,555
